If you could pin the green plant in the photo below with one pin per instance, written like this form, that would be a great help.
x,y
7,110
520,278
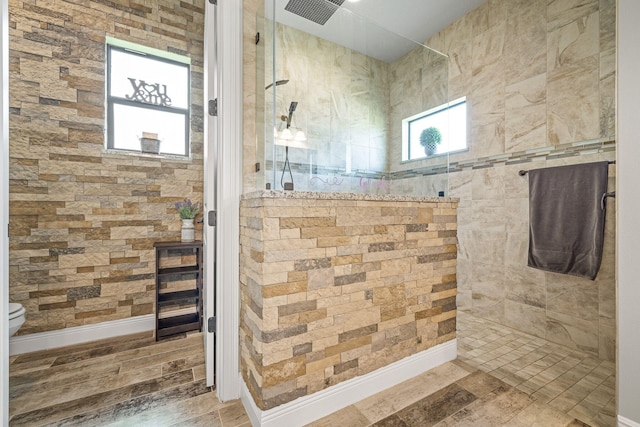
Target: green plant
x,y
429,139
187,209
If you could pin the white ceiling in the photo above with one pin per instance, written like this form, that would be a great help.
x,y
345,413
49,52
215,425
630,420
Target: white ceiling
x,y
383,29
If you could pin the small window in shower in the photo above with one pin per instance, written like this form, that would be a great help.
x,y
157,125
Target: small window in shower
x,y
436,131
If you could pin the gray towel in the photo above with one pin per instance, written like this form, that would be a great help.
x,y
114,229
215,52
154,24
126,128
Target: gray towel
x,y
566,221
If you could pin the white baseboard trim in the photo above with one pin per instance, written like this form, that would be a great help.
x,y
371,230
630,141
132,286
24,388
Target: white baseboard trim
x,y
80,334
626,422
307,409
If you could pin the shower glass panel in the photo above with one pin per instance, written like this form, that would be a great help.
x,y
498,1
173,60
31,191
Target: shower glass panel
x,y
336,101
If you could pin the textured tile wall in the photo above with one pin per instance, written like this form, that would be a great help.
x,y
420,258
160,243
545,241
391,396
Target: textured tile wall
x,y
418,82
333,289
342,100
494,281
83,220
538,75
539,78
253,57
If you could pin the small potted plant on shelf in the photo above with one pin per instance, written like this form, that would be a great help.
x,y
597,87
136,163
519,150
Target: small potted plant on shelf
x,y
187,211
430,138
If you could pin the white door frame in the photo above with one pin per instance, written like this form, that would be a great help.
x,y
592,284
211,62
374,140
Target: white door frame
x,y
209,196
627,206
4,212
229,190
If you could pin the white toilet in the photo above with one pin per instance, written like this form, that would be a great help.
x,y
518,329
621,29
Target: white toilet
x,y
16,317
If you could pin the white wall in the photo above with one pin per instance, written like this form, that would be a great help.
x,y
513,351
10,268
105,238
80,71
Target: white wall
x,y
4,216
628,210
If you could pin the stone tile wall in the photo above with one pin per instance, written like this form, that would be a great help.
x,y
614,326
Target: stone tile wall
x,y
252,99
535,73
336,287
83,220
346,101
494,280
418,82
539,77
342,100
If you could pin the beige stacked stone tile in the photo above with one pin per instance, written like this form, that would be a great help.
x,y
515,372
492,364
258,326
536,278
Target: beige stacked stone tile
x,y
83,220
334,289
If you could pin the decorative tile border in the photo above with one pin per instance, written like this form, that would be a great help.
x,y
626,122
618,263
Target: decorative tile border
x,y
601,145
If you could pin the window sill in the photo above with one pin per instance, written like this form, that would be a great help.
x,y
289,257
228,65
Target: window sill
x,y
131,153
422,159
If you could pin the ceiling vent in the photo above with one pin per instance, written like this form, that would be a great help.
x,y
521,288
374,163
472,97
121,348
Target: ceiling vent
x,y
318,11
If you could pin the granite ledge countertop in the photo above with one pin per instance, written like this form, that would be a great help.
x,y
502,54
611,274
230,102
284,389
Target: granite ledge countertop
x,y
272,194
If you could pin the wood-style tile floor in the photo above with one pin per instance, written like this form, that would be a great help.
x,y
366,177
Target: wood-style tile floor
x,y
501,378
128,381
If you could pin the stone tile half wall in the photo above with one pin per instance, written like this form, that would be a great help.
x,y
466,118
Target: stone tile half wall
x,y
335,288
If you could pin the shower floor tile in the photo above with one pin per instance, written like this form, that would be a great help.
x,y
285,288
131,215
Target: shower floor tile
x,y
575,383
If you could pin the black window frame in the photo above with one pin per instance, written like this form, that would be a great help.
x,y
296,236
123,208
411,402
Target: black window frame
x,y
113,100
445,107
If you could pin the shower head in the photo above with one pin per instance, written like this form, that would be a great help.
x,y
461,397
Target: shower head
x,y
318,11
292,108
277,83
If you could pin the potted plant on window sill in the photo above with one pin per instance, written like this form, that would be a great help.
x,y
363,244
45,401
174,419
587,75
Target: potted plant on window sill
x,y
430,138
187,211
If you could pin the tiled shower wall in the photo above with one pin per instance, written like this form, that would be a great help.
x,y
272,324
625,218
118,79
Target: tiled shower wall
x,y
252,135
494,281
347,102
536,74
342,98
83,220
539,75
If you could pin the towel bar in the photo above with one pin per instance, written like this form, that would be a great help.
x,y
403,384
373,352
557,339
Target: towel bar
x,y
604,198
524,172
